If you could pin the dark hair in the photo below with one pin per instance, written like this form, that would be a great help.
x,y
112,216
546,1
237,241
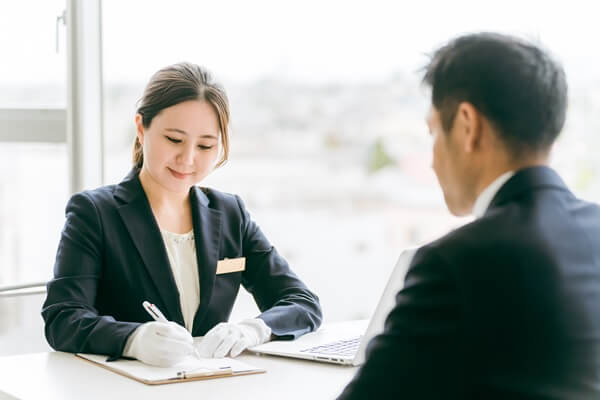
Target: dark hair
x,y
517,86
178,83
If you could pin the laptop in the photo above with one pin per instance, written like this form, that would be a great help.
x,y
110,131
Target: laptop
x,y
344,342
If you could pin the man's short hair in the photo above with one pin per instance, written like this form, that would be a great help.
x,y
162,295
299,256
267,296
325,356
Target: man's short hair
x,y
516,85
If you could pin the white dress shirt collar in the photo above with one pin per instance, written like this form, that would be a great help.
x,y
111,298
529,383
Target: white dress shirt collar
x,y
485,197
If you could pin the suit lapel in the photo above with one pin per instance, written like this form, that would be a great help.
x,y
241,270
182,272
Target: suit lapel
x,y
137,216
207,235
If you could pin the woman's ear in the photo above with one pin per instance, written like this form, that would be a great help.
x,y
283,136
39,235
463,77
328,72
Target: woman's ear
x,y
139,128
219,153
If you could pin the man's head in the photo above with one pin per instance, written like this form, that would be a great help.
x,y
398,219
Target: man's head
x,y
498,103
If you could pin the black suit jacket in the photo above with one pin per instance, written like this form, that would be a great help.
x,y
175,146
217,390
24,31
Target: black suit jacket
x,y
505,307
111,258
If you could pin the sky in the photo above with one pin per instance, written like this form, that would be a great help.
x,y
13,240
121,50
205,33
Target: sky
x,y
308,40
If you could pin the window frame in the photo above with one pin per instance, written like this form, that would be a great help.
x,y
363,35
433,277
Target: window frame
x,y
80,124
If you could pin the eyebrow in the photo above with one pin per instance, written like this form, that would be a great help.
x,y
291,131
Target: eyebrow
x,y
207,136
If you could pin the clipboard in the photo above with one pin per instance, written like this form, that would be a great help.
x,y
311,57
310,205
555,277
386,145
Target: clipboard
x,y
191,369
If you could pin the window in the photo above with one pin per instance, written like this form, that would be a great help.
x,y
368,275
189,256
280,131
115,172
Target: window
x,y
33,153
34,176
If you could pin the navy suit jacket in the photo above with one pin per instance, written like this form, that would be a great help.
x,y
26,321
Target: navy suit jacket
x,y
111,258
505,307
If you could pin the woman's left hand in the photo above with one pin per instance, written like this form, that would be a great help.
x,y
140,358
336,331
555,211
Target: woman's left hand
x,y
233,338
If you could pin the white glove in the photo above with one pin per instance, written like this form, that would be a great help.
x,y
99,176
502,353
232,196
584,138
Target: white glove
x,y
233,338
159,343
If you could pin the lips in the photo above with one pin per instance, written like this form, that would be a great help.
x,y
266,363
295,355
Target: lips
x,y
179,175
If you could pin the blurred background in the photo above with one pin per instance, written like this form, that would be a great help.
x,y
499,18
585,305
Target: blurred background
x,y
329,150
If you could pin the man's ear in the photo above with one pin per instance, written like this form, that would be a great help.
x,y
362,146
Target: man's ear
x,y
139,128
468,120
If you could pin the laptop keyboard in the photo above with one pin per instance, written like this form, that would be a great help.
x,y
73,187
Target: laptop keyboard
x,y
338,348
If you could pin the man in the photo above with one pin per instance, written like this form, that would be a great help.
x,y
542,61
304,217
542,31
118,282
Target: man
x,y
507,306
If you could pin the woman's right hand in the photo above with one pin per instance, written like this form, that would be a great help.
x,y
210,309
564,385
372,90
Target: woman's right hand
x,y
159,343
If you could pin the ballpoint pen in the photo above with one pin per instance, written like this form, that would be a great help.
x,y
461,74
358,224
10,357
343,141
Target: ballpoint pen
x,y
154,312
159,316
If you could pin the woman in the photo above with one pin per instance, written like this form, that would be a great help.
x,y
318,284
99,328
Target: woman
x,y
157,237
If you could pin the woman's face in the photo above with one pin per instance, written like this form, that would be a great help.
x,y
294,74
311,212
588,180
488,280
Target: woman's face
x,y
181,144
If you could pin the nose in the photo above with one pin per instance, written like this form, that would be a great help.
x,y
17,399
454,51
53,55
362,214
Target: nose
x,y
186,157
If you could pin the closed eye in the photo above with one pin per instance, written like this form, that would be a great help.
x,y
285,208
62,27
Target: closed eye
x,y
173,140
202,147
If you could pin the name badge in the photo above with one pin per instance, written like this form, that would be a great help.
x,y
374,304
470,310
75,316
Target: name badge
x,y
229,265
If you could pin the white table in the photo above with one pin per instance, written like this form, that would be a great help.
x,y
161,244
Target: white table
x,y
62,376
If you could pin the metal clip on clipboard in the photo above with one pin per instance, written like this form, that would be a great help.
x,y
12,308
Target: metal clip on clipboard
x,y
203,371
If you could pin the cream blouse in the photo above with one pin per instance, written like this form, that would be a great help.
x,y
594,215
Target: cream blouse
x,y
181,250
